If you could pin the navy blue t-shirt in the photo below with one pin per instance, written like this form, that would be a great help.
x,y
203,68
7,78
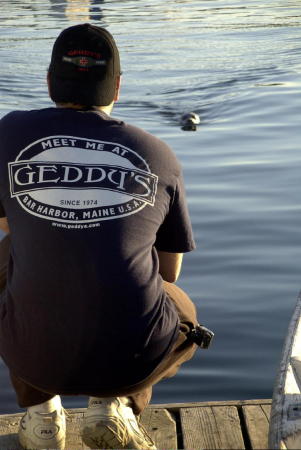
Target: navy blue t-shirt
x,y
89,201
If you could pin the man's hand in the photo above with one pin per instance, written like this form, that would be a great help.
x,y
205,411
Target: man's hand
x,y
170,265
4,225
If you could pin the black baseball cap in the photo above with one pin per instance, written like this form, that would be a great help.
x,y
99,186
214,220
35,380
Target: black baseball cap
x,y
84,66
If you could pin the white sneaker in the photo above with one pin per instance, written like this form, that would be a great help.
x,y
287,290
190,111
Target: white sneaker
x,y
39,430
110,424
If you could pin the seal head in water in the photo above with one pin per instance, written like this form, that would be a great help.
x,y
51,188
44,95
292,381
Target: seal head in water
x,y
189,121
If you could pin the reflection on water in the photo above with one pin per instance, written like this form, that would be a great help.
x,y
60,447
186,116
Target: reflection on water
x,y
237,65
79,10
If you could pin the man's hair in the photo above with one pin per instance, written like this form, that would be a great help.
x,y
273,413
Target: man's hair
x,y
84,66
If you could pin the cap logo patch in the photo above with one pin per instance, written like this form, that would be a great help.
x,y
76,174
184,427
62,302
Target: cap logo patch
x,y
84,61
95,55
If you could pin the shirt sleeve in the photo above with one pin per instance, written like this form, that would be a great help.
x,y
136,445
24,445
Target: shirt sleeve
x,y
175,234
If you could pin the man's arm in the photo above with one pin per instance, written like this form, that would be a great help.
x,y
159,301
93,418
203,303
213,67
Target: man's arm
x,y
170,265
4,225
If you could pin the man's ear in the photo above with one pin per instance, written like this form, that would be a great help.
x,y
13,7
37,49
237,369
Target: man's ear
x,y
117,89
48,83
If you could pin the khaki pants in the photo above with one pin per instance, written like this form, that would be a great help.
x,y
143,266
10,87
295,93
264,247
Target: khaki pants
x,y
139,394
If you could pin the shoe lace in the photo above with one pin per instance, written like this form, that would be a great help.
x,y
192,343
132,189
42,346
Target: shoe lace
x,y
66,412
146,436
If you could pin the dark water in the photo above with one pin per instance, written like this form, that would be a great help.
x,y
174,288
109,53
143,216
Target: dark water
x,y
238,65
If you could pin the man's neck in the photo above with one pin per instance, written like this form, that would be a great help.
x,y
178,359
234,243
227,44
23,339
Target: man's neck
x,y
106,109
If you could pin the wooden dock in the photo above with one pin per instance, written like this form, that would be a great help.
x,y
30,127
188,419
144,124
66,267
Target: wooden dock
x,y
195,426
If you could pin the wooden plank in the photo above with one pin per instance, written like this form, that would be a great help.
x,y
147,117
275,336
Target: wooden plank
x,y
8,432
211,427
257,424
161,427
177,406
